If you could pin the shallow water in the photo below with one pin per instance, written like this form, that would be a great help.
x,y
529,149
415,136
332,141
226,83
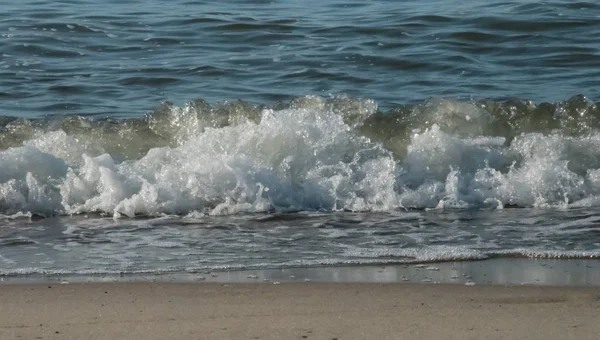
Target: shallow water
x,y
202,136
90,245
513,271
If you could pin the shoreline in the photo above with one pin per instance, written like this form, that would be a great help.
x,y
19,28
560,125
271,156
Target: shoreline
x,y
498,271
296,311
449,300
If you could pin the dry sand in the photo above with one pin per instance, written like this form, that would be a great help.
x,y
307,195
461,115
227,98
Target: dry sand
x,y
297,311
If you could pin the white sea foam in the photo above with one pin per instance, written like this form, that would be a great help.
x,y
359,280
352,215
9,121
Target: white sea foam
x,y
310,157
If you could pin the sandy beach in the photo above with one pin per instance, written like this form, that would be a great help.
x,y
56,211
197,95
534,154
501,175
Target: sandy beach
x,y
296,311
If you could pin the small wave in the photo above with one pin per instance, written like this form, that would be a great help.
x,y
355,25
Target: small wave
x,y
309,154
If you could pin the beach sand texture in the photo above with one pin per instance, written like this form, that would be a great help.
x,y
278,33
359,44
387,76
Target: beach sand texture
x,y
297,311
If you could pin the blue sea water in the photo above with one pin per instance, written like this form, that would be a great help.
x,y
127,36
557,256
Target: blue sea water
x,y
122,58
154,137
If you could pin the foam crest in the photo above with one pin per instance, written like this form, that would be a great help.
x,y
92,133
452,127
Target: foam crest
x,y
293,159
535,170
313,154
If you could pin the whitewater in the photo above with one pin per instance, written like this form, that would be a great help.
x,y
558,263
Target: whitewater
x,y
314,154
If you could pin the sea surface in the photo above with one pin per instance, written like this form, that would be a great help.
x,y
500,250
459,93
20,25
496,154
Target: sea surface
x,y
188,136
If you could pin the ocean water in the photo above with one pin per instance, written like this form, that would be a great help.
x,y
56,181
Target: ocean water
x,y
153,137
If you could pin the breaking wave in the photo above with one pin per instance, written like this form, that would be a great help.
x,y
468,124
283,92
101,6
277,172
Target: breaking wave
x,y
312,153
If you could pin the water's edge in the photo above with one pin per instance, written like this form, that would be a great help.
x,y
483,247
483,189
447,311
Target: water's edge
x,y
499,271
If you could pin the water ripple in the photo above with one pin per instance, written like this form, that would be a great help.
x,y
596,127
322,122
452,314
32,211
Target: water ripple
x,y
265,51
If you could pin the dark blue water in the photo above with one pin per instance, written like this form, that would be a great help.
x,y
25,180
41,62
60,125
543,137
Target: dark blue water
x,y
151,137
123,58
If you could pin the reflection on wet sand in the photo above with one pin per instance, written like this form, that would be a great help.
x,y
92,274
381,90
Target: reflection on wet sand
x,y
502,271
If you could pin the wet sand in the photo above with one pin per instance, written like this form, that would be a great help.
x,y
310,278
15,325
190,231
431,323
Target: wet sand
x,y
296,311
